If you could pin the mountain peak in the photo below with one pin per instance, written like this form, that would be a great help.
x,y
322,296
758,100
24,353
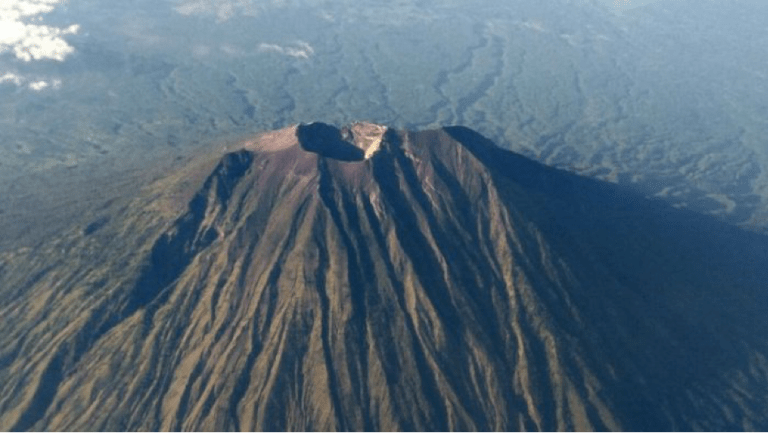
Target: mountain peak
x,y
355,142
362,278
366,136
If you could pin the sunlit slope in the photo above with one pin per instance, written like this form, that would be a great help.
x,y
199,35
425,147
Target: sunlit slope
x,y
368,279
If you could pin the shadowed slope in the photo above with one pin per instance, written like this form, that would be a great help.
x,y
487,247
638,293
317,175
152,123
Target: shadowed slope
x,y
326,141
436,282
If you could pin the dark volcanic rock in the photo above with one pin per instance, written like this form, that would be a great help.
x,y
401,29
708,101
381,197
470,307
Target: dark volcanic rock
x,y
368,279
327,141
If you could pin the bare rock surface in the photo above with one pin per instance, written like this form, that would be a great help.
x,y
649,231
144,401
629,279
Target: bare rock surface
x,y
365,278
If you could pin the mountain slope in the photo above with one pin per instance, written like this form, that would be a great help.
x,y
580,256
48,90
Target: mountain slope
x,y
363,278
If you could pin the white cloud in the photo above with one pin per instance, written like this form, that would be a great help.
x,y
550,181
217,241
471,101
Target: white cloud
x,y
264,48
221,9
12,78
534,25
36,85
29,41
299,50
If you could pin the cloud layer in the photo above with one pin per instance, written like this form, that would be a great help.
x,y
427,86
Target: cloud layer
x,y
36,85
32,41
300,50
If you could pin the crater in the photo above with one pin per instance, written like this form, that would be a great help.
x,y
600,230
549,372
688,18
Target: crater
x,y
350,143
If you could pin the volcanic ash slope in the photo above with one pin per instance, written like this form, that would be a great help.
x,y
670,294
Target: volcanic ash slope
x,y
368,279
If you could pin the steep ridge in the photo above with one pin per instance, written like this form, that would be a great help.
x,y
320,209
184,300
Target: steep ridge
x,y
368,279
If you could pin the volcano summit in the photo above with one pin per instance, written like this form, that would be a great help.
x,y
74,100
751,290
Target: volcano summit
x,y
364,278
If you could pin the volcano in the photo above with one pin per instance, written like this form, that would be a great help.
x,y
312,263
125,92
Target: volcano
x,y
364,278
